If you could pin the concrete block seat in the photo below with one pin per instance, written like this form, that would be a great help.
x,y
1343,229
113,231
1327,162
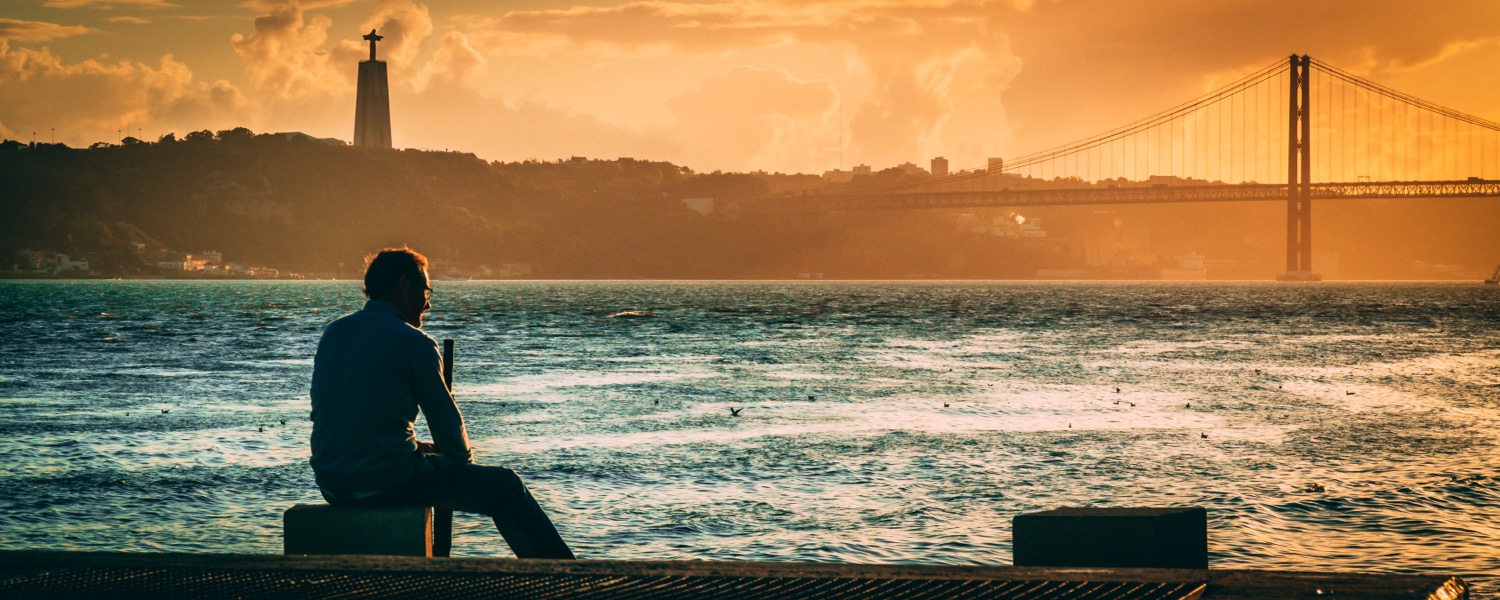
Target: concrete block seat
x,y
387,530
1163,538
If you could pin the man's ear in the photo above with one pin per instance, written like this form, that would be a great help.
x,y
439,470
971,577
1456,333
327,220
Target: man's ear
x,y
403,283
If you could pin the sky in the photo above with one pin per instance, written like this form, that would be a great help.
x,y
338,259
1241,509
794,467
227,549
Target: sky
x,y
738,85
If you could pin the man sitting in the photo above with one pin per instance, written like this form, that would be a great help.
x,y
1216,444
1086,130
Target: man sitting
x,y
373,371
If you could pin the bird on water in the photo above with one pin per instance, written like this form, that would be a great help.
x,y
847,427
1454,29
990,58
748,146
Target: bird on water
x,y
735,412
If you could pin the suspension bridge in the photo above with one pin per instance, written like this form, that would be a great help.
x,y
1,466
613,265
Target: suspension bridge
x,y
1296,130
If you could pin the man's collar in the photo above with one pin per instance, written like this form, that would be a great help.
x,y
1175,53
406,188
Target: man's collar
x,y
383,306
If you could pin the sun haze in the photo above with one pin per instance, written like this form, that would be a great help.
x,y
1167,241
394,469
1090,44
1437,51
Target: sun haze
x,y
769,85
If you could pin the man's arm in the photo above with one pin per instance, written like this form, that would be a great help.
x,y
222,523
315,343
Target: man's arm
x,y
443,417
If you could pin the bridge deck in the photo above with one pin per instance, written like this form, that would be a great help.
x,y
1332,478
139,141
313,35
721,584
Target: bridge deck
x,y
46,574
1159,194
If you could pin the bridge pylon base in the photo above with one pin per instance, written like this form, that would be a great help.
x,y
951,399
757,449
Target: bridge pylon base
x,y
1299,276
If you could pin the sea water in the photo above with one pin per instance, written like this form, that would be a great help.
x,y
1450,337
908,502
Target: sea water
x,y
1323,426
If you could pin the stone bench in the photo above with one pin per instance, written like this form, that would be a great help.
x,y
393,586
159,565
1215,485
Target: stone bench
x,y
1168,538
394,530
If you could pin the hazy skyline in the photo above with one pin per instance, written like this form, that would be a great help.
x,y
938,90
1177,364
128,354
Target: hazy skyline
x,y
711,85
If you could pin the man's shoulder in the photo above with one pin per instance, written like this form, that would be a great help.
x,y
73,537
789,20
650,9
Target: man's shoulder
x,y
373,322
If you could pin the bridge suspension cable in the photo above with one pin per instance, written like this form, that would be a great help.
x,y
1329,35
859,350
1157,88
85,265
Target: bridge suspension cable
x,y
1360,131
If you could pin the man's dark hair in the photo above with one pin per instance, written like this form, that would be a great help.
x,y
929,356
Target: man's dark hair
x,y
385,268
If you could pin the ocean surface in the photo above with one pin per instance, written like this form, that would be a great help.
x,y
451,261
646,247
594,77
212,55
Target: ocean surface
x,y
1348,426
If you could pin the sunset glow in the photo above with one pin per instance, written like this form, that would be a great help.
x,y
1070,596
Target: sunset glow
x,y
740,85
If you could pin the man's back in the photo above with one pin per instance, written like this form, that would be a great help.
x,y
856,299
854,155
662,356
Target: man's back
x,y
374,370
371,375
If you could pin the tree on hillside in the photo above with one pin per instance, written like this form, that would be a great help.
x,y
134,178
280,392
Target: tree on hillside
x,y
238,134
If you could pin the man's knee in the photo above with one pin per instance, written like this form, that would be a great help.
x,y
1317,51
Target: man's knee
x,y
502,478
499,483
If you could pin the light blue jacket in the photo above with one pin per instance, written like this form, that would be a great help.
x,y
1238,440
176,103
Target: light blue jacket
x,y
372,373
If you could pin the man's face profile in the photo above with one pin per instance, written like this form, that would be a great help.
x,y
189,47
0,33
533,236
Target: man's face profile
x,y
415,298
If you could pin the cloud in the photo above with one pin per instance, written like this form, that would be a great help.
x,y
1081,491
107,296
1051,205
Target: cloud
x,y
89,101
130,20
456,64
404,25
759,118
287,60
38,31
977,78
270,5
522,130
1122,59
645,28
107,4
914,57
290,59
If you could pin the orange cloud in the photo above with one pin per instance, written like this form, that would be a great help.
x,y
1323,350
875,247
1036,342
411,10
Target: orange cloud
x,y
89,101
916,58
404,25
286,57
759,118
38,31
107,4
1148,56
456,64
270,5
643,28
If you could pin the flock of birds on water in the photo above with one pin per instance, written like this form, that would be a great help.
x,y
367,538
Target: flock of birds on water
x,y
735,412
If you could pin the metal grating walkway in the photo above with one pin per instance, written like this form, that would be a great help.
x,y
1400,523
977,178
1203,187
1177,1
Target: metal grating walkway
x,y
52,575
198,583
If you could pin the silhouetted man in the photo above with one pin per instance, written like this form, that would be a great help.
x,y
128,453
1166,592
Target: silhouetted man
x,y
374,370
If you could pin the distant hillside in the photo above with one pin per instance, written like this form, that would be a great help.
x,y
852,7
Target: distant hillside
x,y
310,207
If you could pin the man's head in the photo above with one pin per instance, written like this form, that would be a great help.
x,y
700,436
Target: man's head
x,y
399,276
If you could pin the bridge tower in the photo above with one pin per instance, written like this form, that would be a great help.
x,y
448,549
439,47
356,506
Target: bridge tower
x,y
1299,175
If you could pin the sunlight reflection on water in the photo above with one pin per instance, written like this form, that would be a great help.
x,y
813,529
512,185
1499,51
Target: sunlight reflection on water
x,y
172,415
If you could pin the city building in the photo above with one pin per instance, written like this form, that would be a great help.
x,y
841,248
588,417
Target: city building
x,y
47,262
940,167
702,206
996,165
173,264
909,168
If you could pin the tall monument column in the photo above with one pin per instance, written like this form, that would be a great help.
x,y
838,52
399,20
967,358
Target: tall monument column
x,y
372,108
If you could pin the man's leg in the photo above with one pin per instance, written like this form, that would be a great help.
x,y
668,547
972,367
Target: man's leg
x,y
500,493
424,488
442,532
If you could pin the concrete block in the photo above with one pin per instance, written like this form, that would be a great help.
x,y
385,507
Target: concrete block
x,y
324,529
1171,538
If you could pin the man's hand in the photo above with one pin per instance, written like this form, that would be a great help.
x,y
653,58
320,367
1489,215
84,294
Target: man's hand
x,y
427,447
